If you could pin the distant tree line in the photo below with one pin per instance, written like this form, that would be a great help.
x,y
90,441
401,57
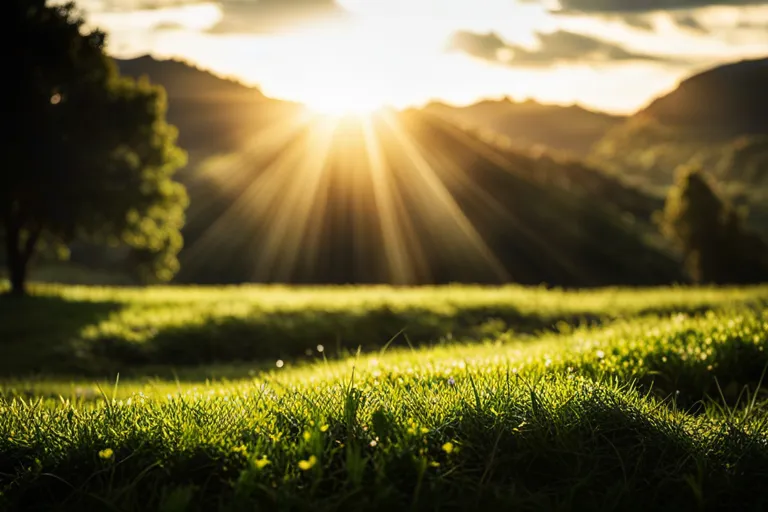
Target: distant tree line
x,y
716,246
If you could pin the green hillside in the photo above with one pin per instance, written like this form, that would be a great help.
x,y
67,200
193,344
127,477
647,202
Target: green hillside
x,y
716,118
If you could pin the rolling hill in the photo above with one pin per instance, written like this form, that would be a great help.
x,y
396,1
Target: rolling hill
x,y
717,118
727,100
282,195
571,129
215,114
423,202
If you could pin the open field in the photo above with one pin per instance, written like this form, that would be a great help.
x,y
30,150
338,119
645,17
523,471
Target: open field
x,y
507,398
100,331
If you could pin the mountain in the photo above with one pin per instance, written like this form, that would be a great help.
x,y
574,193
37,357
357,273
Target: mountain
x,y
710,118
729,100
216,114
572,129
410,198
281,195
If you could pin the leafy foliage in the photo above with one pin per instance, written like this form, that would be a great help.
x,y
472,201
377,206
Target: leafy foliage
x,y
91,153
710,233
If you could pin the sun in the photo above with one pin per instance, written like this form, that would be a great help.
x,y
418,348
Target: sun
x,y
351,68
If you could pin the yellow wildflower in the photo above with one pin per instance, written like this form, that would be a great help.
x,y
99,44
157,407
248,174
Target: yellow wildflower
x,y
306,465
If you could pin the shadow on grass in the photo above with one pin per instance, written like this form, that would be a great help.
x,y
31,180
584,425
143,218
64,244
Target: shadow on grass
x,y
44,335
41,334
302,335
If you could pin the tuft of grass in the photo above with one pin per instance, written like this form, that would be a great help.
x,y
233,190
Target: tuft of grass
x,y
635,414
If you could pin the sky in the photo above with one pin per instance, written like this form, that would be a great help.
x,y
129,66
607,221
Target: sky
x,y
613,55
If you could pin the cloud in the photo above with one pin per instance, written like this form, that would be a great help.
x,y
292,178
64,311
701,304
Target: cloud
x,y
689,22
637,6
556,47
93,6
238,16
195,17
168,26
751,25
483,46
638,21
258,16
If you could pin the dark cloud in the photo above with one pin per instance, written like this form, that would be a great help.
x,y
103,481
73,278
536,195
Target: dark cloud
x,y
635,6
689,22
127,5
239,16
244,16
482,46
555,47
752,25
167,26
639,21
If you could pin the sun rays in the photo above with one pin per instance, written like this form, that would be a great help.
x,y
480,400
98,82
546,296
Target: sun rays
x,y
336,196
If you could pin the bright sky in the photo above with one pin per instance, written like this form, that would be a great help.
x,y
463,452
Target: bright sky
x,y
356,54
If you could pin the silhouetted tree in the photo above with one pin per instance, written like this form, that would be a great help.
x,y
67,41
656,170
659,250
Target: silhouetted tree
x,y
89,154
711,234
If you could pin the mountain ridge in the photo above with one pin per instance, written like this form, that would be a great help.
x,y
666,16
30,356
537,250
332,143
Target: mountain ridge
x,y
280,196
704,120
570,129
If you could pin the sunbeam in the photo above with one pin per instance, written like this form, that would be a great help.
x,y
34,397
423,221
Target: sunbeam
x,y
297,203
447,216
388,206
517,170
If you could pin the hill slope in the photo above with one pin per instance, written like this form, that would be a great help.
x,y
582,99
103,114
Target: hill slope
x,y
214,114
727,100
706,119
281,195
571,129
408,198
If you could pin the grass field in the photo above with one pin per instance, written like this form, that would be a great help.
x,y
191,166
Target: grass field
x,y
498,399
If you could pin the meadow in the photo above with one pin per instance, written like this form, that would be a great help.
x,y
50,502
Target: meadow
x,y
375,398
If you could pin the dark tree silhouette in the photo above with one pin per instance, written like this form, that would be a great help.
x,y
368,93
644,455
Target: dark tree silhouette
x,y
90,155
711,234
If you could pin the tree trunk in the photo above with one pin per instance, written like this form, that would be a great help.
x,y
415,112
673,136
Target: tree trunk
x,y
16,268
18,274
18,256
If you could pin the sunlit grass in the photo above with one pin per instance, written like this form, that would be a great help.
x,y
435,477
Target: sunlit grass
x,y
660,411
101,331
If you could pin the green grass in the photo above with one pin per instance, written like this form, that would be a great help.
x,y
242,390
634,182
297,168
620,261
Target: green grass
x,y
658,404
100,331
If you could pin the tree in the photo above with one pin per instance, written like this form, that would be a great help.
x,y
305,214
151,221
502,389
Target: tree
x,y
711,234
89,155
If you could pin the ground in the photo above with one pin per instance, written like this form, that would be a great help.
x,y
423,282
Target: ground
x,y
454,398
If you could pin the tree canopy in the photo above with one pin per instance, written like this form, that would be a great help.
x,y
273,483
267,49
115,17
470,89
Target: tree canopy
x,y
90,155
711,234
